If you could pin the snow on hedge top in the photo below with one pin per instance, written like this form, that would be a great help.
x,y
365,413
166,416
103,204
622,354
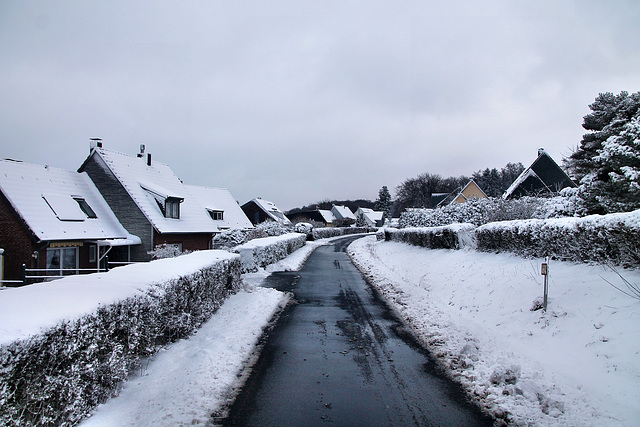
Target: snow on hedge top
x,y
267,241
47,199
629,219
150,185
28,310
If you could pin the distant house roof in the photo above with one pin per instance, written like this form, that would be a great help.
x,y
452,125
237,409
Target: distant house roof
x,y
543,176
220,199
461,195
342,212
318,215
271,210
149,185
57,204
373,218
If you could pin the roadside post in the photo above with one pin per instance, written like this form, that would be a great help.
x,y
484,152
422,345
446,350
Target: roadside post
x,y
545,273
1,268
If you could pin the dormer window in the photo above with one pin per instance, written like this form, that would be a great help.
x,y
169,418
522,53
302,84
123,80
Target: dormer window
x,y
168,202
172,207
216,215
84,206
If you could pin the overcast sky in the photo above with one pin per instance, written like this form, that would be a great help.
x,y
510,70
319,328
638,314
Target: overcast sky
x,y
299,101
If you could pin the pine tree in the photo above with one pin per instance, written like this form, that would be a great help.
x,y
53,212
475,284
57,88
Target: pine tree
x,y
607,162
615,180
383,202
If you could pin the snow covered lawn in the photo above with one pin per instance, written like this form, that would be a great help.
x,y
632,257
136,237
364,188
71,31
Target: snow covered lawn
x,y
577,364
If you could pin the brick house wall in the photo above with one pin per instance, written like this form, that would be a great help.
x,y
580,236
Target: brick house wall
x,y
16,241
189,242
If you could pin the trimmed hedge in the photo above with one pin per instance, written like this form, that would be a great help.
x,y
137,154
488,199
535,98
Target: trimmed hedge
x,y
613,238
58,376
324,233
259,253
454,236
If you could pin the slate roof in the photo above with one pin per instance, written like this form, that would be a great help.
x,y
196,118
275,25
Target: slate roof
x,y
543,176
145,184
45,198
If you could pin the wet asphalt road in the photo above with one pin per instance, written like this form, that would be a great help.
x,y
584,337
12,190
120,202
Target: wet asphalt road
x,y
339,357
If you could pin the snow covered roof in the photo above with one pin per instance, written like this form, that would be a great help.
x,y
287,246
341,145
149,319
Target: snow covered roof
x,y
544,175
149,185
220,199
342,212
272,210
57,204
327,215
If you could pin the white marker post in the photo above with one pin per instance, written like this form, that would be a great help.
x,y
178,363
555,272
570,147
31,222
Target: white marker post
x,y
545,273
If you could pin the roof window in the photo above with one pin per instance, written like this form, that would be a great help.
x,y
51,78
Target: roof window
x,y
84,206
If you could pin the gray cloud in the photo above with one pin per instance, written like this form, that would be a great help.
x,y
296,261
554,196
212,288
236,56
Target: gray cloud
x,y
300,101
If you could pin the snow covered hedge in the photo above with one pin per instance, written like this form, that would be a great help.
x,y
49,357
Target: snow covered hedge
x,y
613,238
262,252
67,345
324,233
474,211
454,236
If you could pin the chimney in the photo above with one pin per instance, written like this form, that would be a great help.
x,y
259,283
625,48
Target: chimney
x,y
148,159
141,153
95,143
540,151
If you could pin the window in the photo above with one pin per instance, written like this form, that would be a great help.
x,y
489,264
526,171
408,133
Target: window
x,y
84,206
62,261
172,208
216,215
92,253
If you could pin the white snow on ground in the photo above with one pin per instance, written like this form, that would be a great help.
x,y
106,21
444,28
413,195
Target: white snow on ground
x,y
578,364
187,382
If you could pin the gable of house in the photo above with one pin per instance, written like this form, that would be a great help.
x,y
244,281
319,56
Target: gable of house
x,y
259,210
544,176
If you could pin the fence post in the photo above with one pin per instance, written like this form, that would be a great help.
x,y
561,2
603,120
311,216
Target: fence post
x,y
24,274
106,263
1,267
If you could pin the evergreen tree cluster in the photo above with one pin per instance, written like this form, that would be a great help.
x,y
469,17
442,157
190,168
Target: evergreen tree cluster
x,y
607,161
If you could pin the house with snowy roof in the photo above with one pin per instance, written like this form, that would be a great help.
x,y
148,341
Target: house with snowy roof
x,y
543,177
151,202
322,216
369,217
259,210
460,195
342,212
223,209
56,223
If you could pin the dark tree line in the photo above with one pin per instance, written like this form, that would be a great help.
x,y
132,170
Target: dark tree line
x,y
327,204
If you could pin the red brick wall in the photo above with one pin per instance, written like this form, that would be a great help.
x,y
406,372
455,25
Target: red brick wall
x,y
15,240
190,242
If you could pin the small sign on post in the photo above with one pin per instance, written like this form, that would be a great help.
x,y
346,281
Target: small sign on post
x,y
545,272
